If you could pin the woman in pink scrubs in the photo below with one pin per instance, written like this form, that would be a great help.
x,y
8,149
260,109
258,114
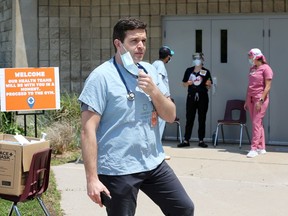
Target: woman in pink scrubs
x,y
257,99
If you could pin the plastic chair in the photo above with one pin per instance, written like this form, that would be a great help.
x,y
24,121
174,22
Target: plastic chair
x,y
179,133
177,121
231,106
36,182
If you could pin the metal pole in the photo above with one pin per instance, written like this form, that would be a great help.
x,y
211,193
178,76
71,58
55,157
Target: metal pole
x,y
35,124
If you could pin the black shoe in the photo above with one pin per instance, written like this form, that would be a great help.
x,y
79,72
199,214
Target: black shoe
x,y
183,144
203,145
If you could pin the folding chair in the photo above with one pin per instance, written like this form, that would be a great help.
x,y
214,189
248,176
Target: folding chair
x,y
177,121
231,106
179,133
36,182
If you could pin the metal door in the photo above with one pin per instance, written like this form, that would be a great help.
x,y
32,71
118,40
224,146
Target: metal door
x,y
278,117
231,41
185,36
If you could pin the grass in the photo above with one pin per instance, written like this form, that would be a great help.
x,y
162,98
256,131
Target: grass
x,y
51,197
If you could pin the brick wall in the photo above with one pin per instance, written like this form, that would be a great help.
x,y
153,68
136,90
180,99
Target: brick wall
x,y
76,34
5,33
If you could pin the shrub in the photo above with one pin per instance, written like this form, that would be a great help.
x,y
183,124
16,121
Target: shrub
x,y
63,126
8,123
61,136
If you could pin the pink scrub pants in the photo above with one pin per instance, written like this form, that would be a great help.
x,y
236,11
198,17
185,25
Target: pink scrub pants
x,y
258,134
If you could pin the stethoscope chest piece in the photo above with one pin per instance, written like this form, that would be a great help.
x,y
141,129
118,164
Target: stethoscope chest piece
x,y
130,96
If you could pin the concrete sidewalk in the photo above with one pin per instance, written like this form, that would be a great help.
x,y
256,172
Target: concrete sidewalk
x,y
221,182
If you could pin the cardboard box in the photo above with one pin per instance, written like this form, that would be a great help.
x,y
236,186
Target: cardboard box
x,y
15,160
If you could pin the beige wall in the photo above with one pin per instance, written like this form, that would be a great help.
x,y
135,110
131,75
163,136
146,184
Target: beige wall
x,y
6,33
76,34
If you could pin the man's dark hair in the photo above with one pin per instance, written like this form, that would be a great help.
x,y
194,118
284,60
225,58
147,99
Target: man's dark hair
x,y
125,24
164,52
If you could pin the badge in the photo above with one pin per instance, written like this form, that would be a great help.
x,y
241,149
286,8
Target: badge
x,y
203,72
154,119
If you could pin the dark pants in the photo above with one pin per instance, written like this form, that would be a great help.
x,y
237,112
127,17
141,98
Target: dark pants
x,y
160,184
194,104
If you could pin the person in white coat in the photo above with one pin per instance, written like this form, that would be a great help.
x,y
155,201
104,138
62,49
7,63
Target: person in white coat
x,y
165,55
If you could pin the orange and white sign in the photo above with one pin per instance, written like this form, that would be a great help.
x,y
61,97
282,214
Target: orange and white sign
x,y
29,89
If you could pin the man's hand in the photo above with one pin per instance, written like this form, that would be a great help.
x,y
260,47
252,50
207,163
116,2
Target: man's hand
x,y
208,84
146,83
94,189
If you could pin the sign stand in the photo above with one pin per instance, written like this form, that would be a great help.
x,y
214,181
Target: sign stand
x,y
29,91
41,112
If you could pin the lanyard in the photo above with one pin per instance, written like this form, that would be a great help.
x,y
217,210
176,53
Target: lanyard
x,y
130,94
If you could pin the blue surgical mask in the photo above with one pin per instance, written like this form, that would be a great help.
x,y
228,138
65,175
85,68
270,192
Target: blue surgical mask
x,y
197,62
128,62
251,61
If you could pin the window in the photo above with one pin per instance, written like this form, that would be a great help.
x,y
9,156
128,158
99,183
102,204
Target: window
x,y
223,46
198,40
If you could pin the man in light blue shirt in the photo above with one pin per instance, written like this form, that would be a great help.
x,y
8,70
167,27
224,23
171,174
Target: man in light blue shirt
x,y
121,145
165,55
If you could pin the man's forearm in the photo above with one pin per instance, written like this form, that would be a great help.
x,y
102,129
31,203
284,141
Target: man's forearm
x,y
89,154
165,108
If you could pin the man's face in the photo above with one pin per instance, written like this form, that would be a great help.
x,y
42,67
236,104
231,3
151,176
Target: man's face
x,y
135,43
168,59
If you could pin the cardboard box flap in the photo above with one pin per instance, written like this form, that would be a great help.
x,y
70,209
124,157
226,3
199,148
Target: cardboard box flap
x,y
15,160
21,139
29,150
8,138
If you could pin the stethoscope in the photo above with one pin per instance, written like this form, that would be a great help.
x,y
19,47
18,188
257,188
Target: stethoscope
x,y
130,94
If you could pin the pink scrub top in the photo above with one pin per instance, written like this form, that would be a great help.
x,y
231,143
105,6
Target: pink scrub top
x,y
257,77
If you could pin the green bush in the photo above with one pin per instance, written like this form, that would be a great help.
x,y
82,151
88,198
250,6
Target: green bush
x,y
8,123
63,126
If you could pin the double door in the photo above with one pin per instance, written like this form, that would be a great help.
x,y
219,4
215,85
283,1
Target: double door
x,y
225,42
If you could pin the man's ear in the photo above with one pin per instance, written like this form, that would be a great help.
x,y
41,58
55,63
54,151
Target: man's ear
x,y
117,43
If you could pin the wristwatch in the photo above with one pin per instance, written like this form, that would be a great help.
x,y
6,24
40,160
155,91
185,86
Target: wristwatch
x,y
261,100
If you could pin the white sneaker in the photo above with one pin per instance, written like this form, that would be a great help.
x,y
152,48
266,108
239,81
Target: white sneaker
x,y
252,154
261,151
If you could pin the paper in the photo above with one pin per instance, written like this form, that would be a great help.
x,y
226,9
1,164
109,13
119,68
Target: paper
x,y
21,139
